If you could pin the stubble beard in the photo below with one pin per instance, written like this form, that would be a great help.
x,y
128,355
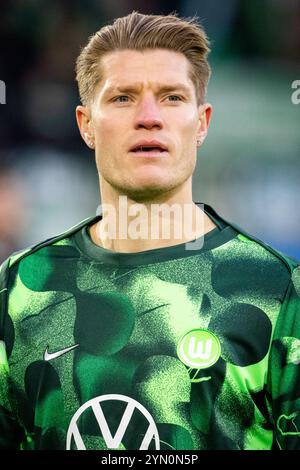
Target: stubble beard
x,y
146,194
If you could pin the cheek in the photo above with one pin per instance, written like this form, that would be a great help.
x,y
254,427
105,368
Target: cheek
x,y
106,129
189,126
187,123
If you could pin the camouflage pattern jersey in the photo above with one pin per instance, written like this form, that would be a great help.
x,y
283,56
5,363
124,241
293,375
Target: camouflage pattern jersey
x,y
164,349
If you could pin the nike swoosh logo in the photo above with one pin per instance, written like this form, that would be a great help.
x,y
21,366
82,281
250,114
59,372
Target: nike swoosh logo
x,y
49,356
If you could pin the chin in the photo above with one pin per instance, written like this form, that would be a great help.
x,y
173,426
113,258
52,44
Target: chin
x,y
145,189
147,192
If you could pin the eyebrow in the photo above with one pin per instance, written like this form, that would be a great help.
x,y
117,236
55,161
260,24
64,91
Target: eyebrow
x,y
136,86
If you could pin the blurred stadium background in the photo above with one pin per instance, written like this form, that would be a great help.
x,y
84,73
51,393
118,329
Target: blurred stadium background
x,y
249,166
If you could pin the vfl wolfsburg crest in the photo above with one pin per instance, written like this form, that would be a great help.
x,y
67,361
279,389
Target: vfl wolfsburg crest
x,y
199,349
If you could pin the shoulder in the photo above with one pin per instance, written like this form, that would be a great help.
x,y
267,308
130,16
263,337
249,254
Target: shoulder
x,y
36,268
249,261
41,248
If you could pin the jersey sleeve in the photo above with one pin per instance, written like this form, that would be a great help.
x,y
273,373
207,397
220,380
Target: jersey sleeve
x,y
284,369
11,434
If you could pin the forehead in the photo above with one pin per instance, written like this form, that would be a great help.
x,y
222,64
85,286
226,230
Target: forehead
x,y
151,65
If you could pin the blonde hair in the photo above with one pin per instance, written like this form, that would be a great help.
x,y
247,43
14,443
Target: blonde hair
x,y
139,32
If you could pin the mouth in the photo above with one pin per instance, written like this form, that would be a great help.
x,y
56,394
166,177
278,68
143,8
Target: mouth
x,y
148,151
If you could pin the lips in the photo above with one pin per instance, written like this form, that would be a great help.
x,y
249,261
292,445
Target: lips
x,y
152,146
143,149
149,152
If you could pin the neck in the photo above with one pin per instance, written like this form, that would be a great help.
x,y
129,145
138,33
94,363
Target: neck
x,y
128,226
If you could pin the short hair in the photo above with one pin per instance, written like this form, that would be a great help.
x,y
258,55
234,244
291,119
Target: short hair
x,y
137,31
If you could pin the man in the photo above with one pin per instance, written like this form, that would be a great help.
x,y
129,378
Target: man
x,y
111,340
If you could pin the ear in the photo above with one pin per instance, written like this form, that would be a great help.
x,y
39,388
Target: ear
x,y
84,122
205,111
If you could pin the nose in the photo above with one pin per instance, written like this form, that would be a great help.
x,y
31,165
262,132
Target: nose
x,y
148,114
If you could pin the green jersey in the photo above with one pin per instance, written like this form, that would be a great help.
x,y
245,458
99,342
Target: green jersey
x,y
166,349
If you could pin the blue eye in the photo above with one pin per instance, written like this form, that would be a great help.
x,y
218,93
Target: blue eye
x,y
121,96
121,99
174,96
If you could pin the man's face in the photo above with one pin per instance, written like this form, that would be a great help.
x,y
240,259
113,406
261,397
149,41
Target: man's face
x,y
146,96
